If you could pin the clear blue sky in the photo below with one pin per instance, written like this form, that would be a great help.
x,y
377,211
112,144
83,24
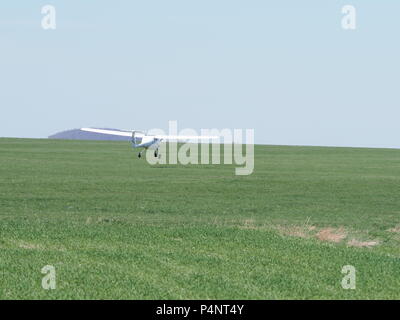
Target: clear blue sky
x,y
284,68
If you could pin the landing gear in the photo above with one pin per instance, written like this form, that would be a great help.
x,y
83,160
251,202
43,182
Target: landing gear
x,y
156,154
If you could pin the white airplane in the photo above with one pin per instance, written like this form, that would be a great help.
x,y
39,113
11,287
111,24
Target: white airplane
x,y
142,140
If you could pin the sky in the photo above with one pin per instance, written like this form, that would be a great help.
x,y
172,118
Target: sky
x,y
286,68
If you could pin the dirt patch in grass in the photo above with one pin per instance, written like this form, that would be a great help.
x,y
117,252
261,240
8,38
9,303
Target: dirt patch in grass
x,y
29,246
309,231
301,231
305,230
295,231
249,224
36,246
331,234
107,220
395,229
362,244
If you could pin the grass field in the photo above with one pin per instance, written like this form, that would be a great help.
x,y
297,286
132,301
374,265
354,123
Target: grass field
x,y
115,227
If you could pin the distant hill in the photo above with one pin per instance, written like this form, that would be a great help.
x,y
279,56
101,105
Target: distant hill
x,y
76,134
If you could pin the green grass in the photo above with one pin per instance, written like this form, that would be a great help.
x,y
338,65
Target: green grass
x,y
115,227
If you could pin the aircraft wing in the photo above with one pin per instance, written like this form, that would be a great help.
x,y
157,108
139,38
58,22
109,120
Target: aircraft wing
x,y
111,132
186,137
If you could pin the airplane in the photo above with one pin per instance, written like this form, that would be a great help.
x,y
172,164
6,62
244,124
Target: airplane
x,y
142,140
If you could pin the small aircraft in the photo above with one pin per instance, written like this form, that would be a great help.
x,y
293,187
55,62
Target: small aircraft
x,y
142,140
